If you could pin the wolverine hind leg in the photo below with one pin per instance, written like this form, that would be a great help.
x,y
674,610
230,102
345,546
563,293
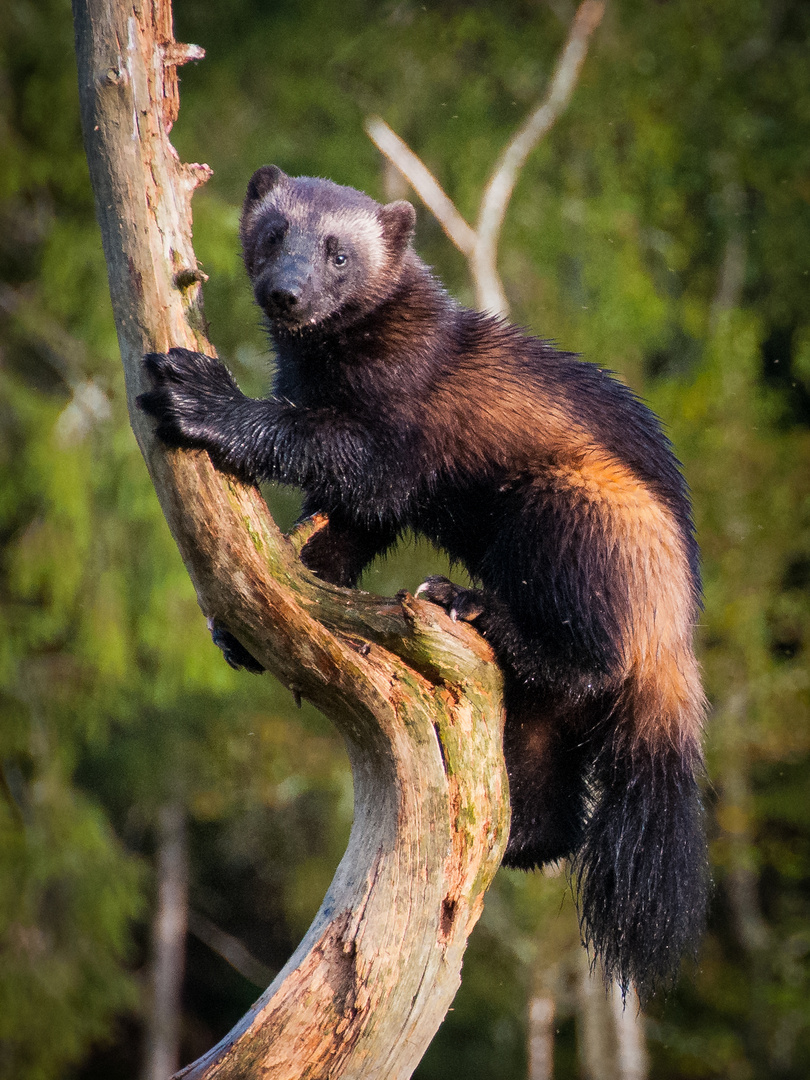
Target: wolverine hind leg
x,y
547,766
340,548
547,757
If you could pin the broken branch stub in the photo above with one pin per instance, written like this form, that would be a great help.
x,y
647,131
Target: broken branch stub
x,y
415,696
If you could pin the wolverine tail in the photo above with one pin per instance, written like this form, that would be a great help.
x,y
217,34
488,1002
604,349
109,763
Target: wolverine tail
x,y
642,871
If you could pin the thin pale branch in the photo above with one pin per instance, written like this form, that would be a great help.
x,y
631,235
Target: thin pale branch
x,y
502,183
480,245
731,279
423,182
231,950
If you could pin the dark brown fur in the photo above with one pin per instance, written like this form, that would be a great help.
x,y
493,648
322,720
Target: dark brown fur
x,y
395,408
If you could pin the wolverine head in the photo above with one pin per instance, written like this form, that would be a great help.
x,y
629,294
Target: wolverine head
x,y
317,252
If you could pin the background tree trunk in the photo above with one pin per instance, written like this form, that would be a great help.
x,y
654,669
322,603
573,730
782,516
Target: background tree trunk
x,y
416,697
169,923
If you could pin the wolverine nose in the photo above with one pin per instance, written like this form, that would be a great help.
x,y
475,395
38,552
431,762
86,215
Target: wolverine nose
x,y
280,302
283,301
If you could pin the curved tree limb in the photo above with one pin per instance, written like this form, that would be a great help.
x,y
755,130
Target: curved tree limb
x,y
480,244
415,696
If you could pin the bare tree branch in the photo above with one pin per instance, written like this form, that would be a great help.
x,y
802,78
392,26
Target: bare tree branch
x,y
415,696
741,880
542,1010
731,278
231,950
499,190
423,182
633,1061
610,1028
480,245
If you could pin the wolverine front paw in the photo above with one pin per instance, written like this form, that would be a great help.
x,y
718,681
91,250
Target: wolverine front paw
x,y
462,605
191,394
234,651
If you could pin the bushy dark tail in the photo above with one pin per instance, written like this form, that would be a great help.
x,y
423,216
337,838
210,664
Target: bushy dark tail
x,y
641,872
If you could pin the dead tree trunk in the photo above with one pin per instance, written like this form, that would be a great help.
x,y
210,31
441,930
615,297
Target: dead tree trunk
x,y
415,696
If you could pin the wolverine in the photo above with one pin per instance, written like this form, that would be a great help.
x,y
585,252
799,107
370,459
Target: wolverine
x,y
395,408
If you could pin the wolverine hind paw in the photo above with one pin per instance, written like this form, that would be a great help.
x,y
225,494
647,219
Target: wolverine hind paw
x,y
461,604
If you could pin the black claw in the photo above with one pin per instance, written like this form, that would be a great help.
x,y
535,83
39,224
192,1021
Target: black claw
x,y
151,402
460,603
155,363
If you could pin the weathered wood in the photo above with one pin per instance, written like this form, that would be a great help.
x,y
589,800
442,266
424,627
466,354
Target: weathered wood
x,y
416,697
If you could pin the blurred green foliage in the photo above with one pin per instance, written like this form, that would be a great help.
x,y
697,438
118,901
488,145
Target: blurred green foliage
x,y
663,230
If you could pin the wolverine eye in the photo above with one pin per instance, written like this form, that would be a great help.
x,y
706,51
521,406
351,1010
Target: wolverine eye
x,y
267,248
272,234
338,257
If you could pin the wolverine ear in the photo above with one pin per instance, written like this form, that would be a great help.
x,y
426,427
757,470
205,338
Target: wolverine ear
x,y
398,220
262,181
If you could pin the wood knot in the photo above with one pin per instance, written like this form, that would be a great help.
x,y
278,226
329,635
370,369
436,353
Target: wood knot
x,y
188,276
113,77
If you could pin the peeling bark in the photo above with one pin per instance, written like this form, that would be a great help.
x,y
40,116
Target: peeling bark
x,y
415,696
